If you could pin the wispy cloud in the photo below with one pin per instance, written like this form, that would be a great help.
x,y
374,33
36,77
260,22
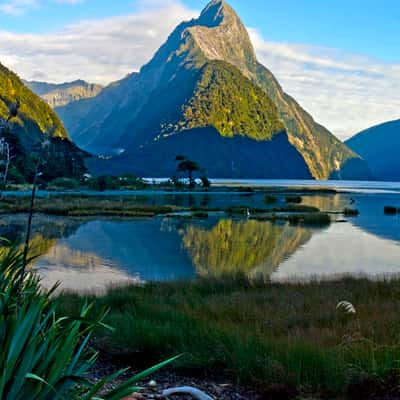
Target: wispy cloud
x,y
344,91
19,7
16,7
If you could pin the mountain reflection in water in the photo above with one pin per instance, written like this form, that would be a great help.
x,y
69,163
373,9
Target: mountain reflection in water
x,y
93,253
251,248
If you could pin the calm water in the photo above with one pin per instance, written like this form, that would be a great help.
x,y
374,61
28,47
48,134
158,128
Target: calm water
x,y
93,253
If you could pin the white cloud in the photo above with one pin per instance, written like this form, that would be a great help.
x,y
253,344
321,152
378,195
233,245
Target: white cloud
x,y
95,50
345,92
16,7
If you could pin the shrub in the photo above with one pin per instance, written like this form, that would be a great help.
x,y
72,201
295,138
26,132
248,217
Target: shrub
x,y
45,356
64,183
130,181
294,199
102,183
205,182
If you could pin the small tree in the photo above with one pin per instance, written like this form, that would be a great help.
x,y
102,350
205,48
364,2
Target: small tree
x,y
205,182
5,159
187,167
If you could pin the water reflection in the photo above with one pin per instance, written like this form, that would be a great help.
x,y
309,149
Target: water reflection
x,y
92,253
342,250
242,247
372,218
79,270
337,202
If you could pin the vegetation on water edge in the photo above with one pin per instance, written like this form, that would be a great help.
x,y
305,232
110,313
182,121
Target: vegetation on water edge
x,y
294,199
85,206
258,333
351,212
390,210
127,206
269,199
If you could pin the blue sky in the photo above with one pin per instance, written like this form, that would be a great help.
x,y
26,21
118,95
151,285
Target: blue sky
x,y
368,27
339,58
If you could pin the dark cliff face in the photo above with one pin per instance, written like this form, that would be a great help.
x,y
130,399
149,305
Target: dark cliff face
x,y
221,157
188,85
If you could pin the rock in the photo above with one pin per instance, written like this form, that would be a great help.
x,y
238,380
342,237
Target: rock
x,y
134,396
280,392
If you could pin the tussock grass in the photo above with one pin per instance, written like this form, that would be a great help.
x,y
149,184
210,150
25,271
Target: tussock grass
x,y
258,333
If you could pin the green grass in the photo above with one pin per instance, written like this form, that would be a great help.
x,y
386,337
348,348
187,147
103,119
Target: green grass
x,y
80,205
85,206
260,333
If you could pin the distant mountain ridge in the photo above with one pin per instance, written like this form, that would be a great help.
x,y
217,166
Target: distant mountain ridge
x,y
57,95
205,83
380,147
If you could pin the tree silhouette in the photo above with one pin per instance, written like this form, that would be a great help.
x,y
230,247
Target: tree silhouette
x,y
188,167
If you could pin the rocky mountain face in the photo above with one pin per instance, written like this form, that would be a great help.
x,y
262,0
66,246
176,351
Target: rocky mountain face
x,y
57,95
205,83
380,147
34,123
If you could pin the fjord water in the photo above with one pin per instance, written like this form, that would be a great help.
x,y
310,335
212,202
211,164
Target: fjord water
x,y
93,253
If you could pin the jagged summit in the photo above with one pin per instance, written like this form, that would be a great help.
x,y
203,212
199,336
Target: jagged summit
x,y
221,35
205,81
217,12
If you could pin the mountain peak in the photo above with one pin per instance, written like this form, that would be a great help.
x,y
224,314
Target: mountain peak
x,y
220,35
217,12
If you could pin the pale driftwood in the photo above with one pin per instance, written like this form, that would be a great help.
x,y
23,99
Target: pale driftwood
x,y
195,393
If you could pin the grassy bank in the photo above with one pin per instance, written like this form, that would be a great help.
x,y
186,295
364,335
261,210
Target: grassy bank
x,y
258,333
84,206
